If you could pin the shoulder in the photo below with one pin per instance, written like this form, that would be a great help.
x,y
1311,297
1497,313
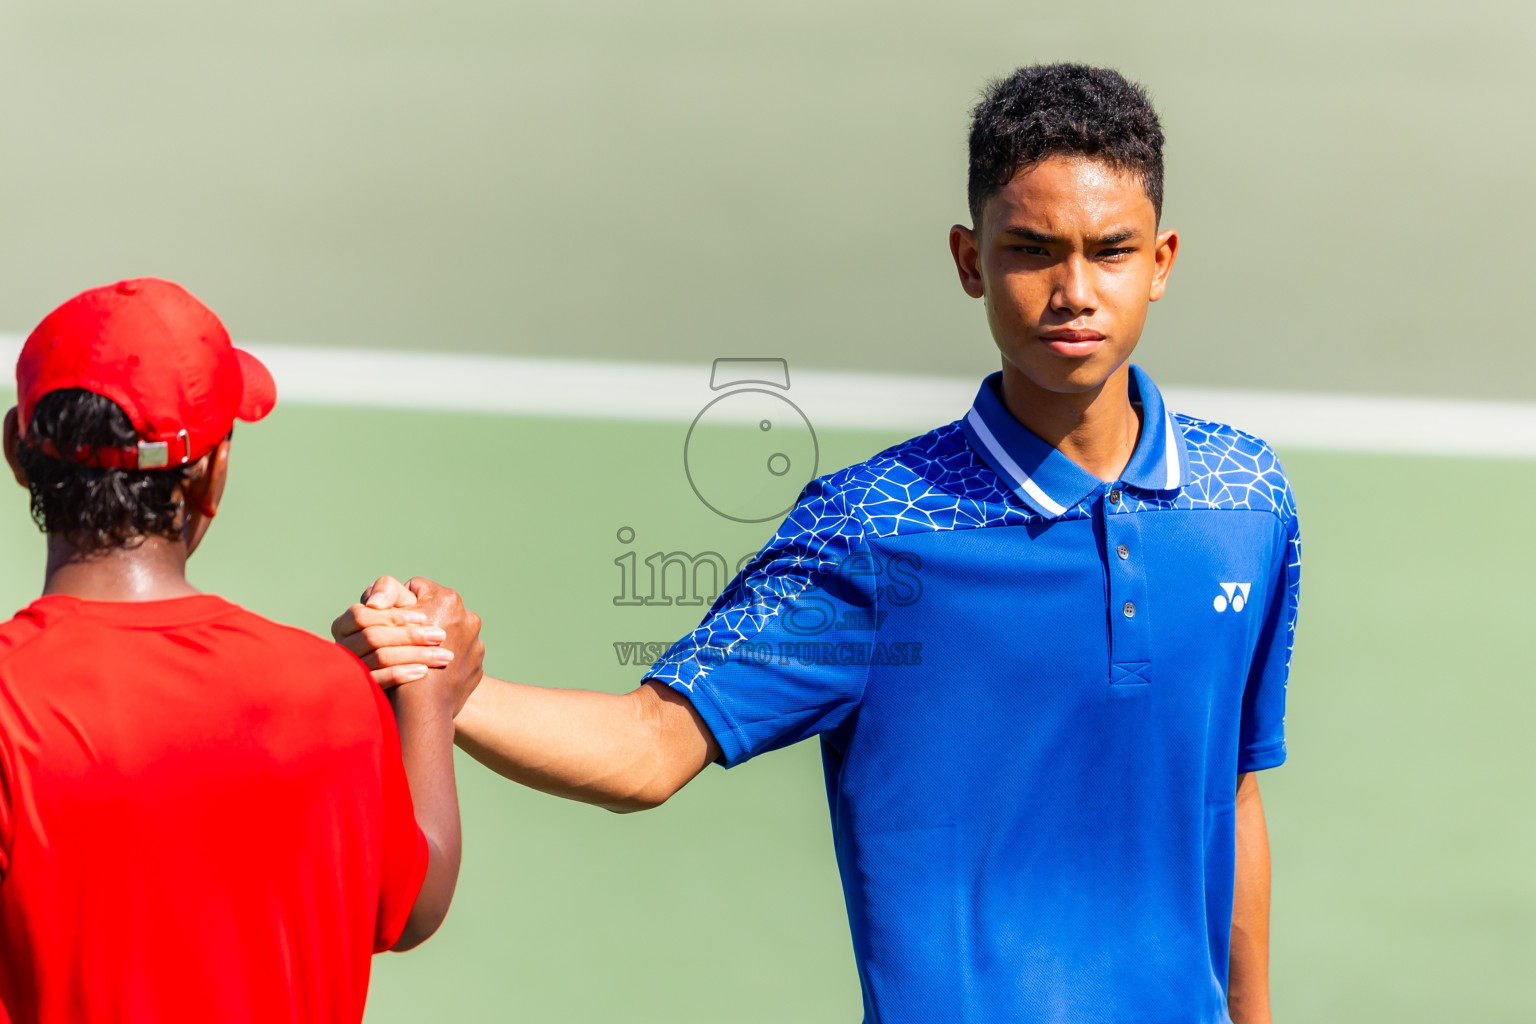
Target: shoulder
x,y
20,630
317,674
318,653
1233,469
39,621
931,482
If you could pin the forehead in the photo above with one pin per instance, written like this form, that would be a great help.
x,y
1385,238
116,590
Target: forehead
x,y
1071,193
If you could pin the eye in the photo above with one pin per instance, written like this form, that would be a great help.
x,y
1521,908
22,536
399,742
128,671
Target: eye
x,y
1115,253
1030,250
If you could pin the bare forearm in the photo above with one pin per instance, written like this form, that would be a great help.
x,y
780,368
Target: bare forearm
x,y
426,747
1248,974
623,752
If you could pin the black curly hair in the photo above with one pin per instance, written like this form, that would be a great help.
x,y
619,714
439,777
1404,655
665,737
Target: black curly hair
x,y
94,508
1062,110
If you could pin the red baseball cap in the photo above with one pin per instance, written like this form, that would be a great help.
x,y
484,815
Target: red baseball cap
x,y
161,355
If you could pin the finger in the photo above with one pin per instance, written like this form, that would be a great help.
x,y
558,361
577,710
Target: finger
x,y
372,638
359,617
386,657
421,588
387,592
381,592
395,675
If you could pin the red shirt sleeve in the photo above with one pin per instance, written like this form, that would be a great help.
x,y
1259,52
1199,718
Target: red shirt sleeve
x,y
12,635
405,845
5,819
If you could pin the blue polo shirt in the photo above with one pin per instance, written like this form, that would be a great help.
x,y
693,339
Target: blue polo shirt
x,y
1035,691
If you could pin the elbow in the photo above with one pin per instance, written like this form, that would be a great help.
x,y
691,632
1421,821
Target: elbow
x,y
630,806
420,928
435,896
650,778
642,798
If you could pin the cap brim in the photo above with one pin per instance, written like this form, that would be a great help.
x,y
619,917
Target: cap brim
x,y
260,392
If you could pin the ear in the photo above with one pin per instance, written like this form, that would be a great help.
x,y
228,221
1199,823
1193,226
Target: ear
x,y
965,247
13,444
202,491
1166,252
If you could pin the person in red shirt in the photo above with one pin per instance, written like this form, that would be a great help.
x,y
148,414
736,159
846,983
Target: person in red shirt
x,y
204,815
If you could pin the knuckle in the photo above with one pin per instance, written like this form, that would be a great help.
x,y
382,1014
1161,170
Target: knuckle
x,y
344,623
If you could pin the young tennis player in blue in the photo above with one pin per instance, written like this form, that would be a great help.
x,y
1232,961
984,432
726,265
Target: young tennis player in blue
x,y
1041,759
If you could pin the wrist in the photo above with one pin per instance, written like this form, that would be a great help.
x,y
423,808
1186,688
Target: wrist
x,y
432,696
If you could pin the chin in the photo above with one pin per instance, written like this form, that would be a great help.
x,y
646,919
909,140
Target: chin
x,y
1069,376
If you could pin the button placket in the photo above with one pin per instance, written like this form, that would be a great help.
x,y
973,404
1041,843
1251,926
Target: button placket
x,y
1130,641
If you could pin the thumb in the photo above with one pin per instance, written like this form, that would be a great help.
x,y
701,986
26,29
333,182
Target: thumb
x,y
388,592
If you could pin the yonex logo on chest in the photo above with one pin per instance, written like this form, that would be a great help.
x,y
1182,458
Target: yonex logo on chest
x,y
1233,594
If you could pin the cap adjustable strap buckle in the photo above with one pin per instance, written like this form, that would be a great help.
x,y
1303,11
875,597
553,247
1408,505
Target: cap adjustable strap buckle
x,y
157,454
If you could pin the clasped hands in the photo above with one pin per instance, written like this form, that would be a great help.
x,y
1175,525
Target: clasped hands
x,y
416,633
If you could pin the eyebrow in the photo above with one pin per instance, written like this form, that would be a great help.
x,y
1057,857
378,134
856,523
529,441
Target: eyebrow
x,y
1030,235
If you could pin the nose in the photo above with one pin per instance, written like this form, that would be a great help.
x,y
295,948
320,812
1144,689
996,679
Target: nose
x,y
1074,295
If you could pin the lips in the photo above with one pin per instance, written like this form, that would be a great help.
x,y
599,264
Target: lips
x,y
1072,343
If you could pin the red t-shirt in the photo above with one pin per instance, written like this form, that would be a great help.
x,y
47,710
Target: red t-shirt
x,y
203,817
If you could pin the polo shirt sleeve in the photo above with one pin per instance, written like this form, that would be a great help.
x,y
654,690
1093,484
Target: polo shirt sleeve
x,y
404,856
768,666
1262,732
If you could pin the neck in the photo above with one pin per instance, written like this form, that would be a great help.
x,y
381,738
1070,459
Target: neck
x,y
150,569
1097,429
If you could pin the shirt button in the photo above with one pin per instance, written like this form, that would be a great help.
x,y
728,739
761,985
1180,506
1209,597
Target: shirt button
x,y
1123,551
1130,610
1114,497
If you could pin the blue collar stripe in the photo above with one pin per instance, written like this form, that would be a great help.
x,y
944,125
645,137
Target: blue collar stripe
x,y
1021,481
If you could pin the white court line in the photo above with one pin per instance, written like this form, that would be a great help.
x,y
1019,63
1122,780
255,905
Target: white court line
x,y
525,386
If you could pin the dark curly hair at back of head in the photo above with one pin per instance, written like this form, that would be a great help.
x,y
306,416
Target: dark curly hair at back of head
x,y
94,508
1050,110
